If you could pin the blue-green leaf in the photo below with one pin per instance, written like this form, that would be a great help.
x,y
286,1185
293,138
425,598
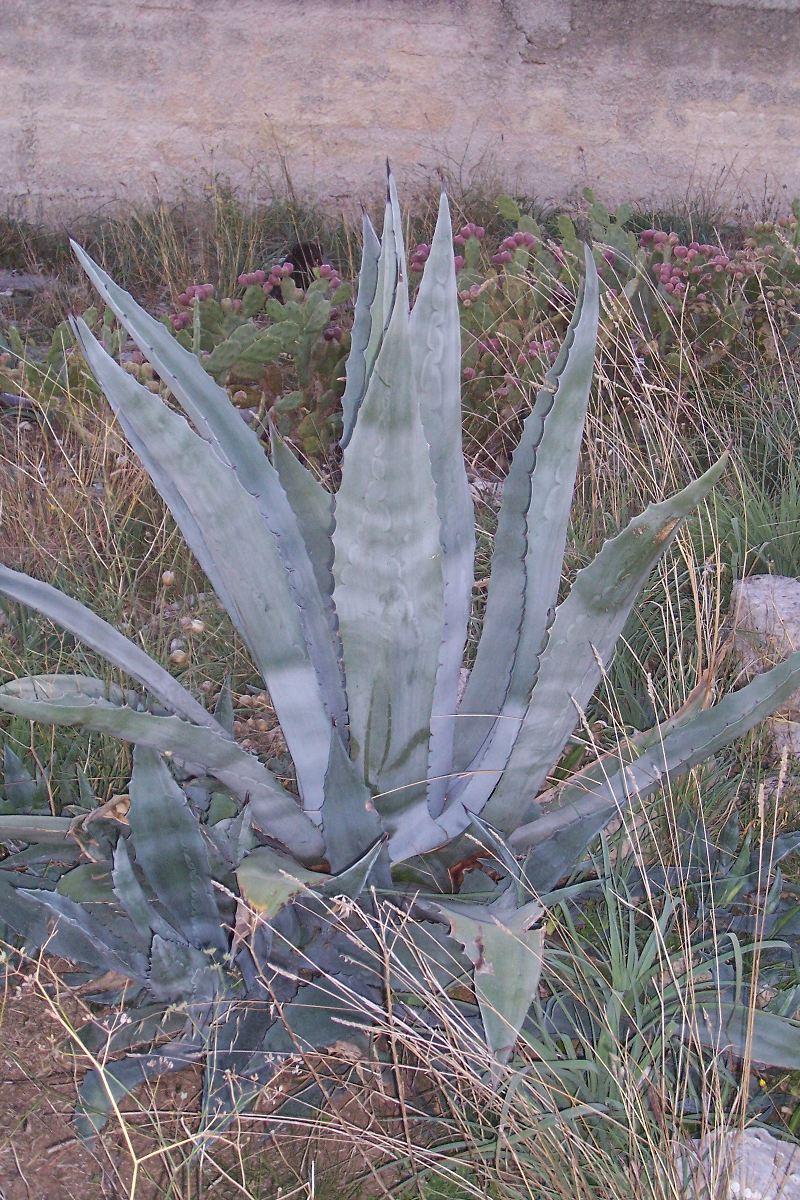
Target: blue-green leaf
x,y
171,852
365,312
389,595
223,527
77,700
435,331
528,556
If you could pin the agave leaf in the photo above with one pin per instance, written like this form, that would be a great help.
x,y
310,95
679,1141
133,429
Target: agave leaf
x,y
550,860
388,575
582,811
764,1037
215,418
102,637
43,830
582,640
350,822
131,896
21,793
239,1031
506,954
223,527
181,972
529,546
223,709
171,852
435,331
77,700
312,506
391,284
104,1087
78,936
365,313
270,880
24,917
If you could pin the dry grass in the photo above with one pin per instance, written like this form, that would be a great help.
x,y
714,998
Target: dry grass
x,y
77,510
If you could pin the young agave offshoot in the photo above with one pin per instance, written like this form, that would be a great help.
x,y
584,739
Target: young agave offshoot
x,y
354,608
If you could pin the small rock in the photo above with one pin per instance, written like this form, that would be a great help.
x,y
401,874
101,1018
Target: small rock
x,y
766,614
736,1165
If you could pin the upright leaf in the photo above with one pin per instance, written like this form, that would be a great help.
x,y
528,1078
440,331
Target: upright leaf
x,y
435,331
388,574
171,852
222,525
528,550
350,821
365,312
582,640
217,421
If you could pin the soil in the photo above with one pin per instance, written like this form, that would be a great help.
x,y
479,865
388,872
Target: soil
x,y
40,1156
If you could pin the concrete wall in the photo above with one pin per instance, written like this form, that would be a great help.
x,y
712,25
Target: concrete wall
x,y
102,100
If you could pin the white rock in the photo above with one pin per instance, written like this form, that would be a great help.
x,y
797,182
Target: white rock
x,y
752,1165
766,613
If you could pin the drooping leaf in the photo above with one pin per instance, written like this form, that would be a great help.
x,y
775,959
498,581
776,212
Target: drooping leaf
x,y
97,633
103,1088
506,954
76,935
582,811
755,1033
270,880
44,830
77,700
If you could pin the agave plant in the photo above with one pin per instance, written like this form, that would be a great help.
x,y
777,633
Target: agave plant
x,y
354,608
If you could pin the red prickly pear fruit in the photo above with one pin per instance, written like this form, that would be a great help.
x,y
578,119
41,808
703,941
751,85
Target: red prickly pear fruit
x,y
468,373
459,261
680,251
